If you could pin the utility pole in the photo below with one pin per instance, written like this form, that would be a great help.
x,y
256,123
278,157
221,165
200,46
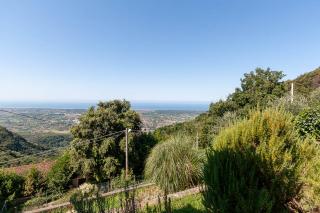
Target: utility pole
x,y
292,92
127,131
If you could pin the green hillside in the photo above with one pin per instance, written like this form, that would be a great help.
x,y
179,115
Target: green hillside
x,y
238,104
14,142
306,83
13,145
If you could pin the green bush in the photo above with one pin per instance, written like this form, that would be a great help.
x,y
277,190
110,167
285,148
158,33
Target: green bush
x,y
34,182
232,184
315,97
308,122
265,154
139,147
11,186
59,177
174,165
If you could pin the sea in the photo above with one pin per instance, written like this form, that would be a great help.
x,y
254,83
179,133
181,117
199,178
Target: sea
x,y
136,105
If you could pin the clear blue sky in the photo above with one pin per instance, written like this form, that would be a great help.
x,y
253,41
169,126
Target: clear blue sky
x,y
150,50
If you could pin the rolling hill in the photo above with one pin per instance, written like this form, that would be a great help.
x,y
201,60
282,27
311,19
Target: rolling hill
x,y
306,83
14,146
14,142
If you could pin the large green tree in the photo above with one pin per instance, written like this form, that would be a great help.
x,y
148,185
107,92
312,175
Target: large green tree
x,y
59,177
257,88
95,150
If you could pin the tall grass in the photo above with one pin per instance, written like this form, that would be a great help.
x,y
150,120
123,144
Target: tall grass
x,y
174,164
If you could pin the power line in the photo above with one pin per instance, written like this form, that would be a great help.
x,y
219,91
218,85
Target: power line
x,y
54,149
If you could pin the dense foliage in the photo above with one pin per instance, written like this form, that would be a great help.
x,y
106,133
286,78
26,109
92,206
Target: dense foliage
x,y
283,169
308,122
52,140
234,183
11,186
95,149
258,163
139,147
59,177
306,83
13,146
34,182
258,88
14,142
174,164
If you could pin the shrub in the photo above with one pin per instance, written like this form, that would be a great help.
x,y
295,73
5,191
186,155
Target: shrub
x,y
232,184
59,177
139,148
308,122
299,103
174,165
11,186
315,97
265,154
34,182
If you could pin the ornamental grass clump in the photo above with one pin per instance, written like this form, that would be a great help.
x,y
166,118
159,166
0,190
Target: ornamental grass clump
x,y
261,165
174,164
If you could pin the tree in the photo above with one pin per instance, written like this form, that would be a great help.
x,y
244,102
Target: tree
x,y
174,165
218,109
11,186
264,155
34,182
258,88
95,150
59,177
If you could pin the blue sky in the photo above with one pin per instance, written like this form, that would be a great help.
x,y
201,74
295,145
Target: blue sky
x,y
149,50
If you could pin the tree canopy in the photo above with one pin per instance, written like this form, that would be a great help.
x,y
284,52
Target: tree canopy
x,y
95,150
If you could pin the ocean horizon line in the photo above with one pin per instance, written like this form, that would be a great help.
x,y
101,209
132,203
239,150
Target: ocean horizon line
x,y
137,105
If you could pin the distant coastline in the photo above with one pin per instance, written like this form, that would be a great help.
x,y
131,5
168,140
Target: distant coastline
x,y
188,106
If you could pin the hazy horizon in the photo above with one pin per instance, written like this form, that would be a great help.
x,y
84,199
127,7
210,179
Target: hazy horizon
x,y
137,105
